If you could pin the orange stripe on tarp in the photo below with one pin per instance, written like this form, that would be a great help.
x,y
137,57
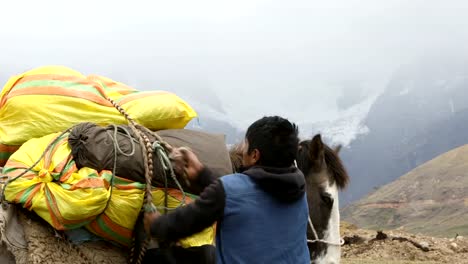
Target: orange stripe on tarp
x,y
57,143
16,164
140,95
50,153
51,77
90,183
68,173
177,195
92,80
86,80
54,213
122,231
61,166
98,85
215,226
115,227
56,90
57,219
29,176
34,191
126,187
96,229
79,221
18,196
35,77
111,84
4,97
123,179
17,172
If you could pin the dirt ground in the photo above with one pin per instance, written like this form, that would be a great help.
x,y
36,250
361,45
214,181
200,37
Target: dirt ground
x,y
398,247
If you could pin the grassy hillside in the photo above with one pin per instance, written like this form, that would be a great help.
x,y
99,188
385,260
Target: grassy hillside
x,y
431,199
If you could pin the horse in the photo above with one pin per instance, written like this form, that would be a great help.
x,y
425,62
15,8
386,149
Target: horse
x,y
325,175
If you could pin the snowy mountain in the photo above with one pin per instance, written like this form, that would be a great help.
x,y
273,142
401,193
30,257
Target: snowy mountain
x,y
344,129
421,114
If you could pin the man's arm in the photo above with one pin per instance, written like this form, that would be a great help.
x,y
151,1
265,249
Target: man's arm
x,y
186,163
203,180
193,218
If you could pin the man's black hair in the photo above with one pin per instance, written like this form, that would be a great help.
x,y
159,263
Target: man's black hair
x,y
276,139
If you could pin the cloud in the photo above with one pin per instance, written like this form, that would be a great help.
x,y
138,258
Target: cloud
x,y
291,58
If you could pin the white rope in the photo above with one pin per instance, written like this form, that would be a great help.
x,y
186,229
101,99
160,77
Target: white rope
x,y
339,244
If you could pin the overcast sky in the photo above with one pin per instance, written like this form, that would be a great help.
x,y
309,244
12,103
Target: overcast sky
x,y
292,58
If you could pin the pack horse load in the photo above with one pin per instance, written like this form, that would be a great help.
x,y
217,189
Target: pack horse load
x,y
84,157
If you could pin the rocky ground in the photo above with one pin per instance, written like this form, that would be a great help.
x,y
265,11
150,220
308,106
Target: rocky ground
x,y
399,247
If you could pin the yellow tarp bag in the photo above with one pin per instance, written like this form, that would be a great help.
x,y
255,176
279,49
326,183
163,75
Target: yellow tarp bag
x,y
55,189
116,223
175,197
69,198
53,98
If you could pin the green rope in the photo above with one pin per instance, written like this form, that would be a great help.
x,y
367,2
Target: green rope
x,y
118,150
167,166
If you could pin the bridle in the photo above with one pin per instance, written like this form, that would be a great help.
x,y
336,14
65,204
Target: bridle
x,y
317,240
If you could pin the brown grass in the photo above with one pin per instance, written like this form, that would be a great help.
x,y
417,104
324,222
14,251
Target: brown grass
x,y
432,199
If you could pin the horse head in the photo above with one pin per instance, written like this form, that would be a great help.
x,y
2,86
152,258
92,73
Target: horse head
x,y
325,175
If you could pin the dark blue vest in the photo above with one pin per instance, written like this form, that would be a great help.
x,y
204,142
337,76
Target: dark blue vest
x,y
257,228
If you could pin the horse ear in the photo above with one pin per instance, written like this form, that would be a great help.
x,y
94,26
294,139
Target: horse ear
x,y
317,151
338,149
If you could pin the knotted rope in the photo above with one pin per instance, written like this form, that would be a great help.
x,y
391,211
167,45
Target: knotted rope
x,y
160,147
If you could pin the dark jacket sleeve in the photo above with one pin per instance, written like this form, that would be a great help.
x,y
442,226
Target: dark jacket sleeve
x,y
193,218
205,178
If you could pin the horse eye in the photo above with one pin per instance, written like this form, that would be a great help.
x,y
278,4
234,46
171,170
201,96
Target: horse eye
x,y
327,199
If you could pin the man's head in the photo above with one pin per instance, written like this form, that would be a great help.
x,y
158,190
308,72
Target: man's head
x,y
270,141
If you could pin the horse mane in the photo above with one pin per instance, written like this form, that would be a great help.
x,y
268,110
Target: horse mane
x,y
336,167
235,153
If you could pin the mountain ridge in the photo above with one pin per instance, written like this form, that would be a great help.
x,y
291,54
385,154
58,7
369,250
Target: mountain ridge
x,y
431,199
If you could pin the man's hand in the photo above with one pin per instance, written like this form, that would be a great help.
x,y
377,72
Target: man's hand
x,y
148,219
184,161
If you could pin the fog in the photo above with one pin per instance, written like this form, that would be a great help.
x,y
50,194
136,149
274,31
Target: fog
x,y
247,58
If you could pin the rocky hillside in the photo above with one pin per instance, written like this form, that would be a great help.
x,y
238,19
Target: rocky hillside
x,y
398,247
431,199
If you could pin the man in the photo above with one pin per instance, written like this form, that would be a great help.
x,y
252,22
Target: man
x,y
261,213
